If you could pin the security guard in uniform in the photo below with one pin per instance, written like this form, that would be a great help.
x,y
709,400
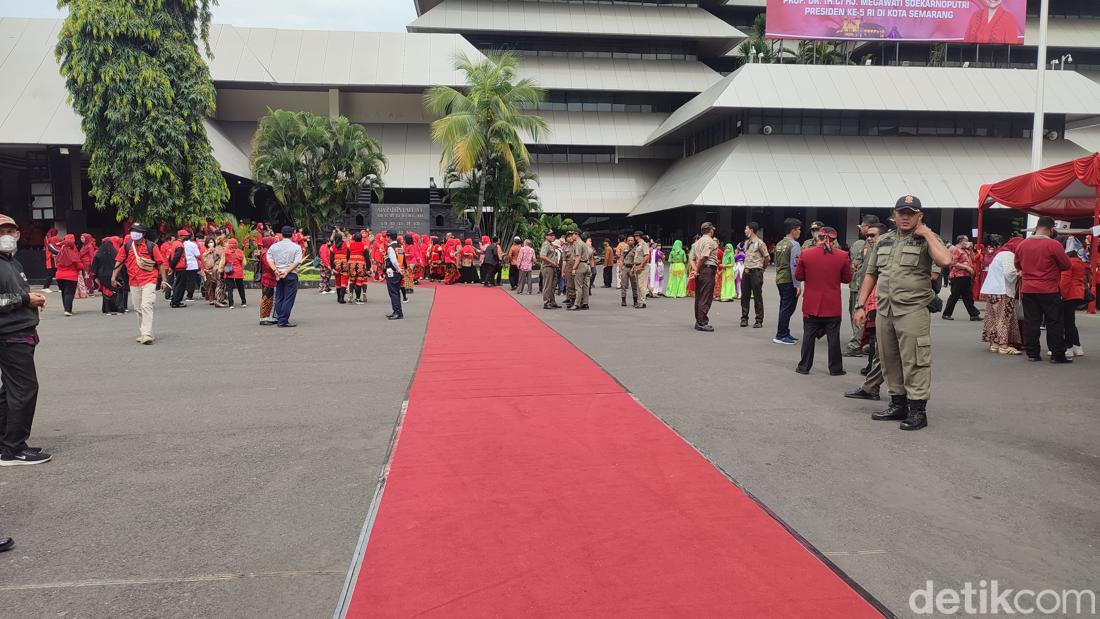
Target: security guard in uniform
x,y
582,271
568,255
637,273
627,280
901,265
548,274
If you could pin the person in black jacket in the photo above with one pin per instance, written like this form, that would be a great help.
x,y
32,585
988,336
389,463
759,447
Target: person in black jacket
x,y
18,336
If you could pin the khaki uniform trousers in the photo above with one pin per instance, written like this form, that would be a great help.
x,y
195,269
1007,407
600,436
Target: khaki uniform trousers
x,y
548,277
905,351
628,281
582,283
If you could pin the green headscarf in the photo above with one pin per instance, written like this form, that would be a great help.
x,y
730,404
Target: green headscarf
x,y
728,255
677,254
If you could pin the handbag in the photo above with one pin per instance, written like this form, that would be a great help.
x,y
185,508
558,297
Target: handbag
x,y
229,269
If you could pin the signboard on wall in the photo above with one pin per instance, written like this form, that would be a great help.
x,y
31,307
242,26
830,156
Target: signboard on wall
x,y
998,22
404,218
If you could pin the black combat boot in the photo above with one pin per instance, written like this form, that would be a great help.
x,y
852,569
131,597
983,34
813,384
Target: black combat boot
x,y
918,415
636,304
340,295
624,301
898,410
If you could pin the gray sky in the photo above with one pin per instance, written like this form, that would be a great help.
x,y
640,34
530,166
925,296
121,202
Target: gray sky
x,y
364,15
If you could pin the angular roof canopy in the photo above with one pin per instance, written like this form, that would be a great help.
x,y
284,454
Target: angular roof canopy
x,y
367,60
618,74
604,19
839,172
900,89
33,100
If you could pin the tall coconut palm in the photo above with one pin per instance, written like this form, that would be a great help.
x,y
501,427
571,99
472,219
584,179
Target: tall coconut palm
x,y
486,119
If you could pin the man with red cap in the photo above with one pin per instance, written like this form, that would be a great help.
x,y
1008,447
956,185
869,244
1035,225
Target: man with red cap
x,y
19,309
185,263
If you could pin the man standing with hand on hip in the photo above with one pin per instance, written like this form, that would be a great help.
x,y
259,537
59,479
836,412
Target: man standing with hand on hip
x,y
901,267
19,309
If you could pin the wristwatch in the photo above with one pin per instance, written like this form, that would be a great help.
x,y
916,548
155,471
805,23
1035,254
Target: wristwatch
x,y
859,307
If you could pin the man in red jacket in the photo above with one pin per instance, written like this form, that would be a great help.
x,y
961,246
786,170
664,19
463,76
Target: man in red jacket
x,y
1040,260
823,268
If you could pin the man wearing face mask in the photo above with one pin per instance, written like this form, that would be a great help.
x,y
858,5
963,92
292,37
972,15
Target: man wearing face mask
x,y
142,259
18,337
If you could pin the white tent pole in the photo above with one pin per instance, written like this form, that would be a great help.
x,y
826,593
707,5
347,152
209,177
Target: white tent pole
x,y
1040,99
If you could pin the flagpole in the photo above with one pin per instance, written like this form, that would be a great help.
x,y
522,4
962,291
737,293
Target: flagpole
x,y
1037,126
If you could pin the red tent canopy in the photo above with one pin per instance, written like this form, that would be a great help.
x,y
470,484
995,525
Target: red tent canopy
x,y
1069,190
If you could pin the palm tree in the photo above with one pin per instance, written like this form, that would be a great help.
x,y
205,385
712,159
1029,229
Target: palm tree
x,y
485,120
312,164
819,52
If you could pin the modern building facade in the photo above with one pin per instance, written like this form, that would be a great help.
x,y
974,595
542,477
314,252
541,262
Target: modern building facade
x,y
655,121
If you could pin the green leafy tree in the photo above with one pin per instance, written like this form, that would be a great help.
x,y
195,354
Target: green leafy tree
x,y
756,48
312,164
820,52
136,77
485,120
511,208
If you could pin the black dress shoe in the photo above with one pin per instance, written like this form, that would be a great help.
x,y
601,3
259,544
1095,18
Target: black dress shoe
x,y
549,306
624,302
744,322
860,394
898,410
757,325
840,373
583,307
976,318
1033,359
6,543
706,328
395,316
801,371
1062,359
946,317
288,325
864,371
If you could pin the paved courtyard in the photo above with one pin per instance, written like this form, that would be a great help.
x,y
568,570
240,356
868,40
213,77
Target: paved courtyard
x,y
228,470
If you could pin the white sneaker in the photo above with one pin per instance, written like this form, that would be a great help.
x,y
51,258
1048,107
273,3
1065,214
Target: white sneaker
x,y
1078,351
1069,353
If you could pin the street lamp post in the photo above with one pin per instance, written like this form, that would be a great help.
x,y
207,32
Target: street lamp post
x,y
1040,99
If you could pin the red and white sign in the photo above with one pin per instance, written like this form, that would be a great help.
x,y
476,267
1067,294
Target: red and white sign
x,y
998,22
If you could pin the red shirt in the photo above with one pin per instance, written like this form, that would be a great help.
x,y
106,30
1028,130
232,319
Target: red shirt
x,y
1073,280
1040,261
139,276
1001,29
234,258
963,257
70,273
325,255
822,273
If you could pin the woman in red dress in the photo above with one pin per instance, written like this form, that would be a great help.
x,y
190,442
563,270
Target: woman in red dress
x,y
992,23
358,267
339,255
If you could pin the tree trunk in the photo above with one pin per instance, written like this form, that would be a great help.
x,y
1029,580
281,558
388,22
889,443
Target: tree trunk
x,y
481,192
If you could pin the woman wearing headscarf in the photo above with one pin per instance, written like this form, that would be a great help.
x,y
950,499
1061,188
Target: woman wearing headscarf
x,y
102,265
739,267
1075,281
358,266
339,255
677,271
215,277
86,283
69,266
451,273
467,260
268,282
406,257
52,247
234,273
729,277
1002,327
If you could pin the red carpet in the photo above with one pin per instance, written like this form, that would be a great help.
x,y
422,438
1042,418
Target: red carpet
x,y
529,483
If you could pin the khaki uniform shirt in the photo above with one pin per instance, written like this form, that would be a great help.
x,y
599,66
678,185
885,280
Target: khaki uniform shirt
x,y
547,251
707,249
859,262
640,253
904,268
756,252
567,254
583,251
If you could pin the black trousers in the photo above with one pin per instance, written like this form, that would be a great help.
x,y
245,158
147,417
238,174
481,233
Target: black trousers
x,y
752,285
810,326
1069,319
393,287
513,275
49,278
230,286
607,272
788,300
961,288
1039,308
185,284
488,274
704,294
68,293
18,394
